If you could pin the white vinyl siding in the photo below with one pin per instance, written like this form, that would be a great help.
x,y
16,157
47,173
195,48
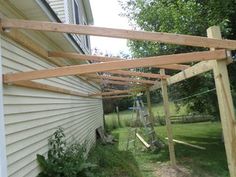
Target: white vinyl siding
x,y
59,9
32,115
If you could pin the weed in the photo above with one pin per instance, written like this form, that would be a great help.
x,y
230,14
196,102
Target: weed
x,y
64,160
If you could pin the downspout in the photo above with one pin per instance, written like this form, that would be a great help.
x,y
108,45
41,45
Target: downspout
x,y
3,158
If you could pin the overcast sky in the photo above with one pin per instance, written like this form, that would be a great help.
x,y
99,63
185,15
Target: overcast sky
x,y
106,14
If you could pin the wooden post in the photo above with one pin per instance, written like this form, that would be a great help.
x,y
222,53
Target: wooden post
x,y
118,116
149,104
225,104
167,118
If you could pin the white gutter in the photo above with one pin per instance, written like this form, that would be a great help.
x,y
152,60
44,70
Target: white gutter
x,y
3,158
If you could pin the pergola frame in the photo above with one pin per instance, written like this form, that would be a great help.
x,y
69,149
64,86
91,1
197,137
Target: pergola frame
x,y
215,60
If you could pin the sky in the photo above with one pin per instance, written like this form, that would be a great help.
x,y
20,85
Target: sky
x,y
106,14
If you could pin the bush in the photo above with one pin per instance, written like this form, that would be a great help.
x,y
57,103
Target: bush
x,y
64,160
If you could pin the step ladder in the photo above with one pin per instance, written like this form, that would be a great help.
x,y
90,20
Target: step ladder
x,y
144,118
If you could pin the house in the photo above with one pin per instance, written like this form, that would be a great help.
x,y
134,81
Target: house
x,y
29,115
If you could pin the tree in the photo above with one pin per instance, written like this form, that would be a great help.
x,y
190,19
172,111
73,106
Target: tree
x,y
183,17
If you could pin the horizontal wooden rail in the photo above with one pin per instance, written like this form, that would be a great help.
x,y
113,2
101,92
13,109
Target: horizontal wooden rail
x,y
37,85
127,79
117,92
196,69
77,56
139,74
119,33
115,65
119,96
101,81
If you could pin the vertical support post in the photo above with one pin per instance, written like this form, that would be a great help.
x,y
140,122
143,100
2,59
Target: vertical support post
x,y
225,104
149,104
3,158
118,116
167,118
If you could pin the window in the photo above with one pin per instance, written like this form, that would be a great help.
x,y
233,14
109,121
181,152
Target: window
x,y
87,41
76,13
86,38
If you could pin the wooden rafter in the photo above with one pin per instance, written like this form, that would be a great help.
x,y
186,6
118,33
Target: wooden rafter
x,y
127,79
37,85
77,56
119,33
117,92
101,81
196,69
115,65
118,96
139,74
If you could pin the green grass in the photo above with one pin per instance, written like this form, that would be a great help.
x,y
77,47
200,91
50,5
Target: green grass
x,y
126,116
201,163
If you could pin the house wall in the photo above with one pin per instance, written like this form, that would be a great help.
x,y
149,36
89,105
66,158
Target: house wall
x,y
32,115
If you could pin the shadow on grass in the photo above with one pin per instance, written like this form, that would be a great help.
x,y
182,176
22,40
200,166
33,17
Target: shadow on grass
x,y
114,163
212,160
209,162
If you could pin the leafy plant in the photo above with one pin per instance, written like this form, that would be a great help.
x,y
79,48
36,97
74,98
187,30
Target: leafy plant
x,y
64,160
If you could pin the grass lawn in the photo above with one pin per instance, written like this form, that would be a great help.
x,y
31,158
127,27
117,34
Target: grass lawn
x,y
115,161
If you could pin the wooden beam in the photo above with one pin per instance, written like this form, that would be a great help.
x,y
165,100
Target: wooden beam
x,y
101,81
119,96
115,65
37,85
142,140
117,92
196,69
119,33
138,74
77,56
168,122
226,106
122,79
188,144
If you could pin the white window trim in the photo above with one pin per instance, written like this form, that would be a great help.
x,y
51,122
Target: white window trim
x,y
3,158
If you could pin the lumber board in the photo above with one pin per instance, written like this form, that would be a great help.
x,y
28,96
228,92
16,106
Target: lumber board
x,y
119,96
106,77
139,74
77,56
37,85
188,144
143,141
225,102
115,65
168,121
119,33
101,81
117,92
196,69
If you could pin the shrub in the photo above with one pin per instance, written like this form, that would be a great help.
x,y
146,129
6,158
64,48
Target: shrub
x,y
64,160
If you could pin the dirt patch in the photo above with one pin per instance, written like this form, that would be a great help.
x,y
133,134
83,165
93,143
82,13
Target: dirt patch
x,y
165,170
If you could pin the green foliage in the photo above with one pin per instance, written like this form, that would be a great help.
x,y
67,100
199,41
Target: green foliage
x,y
64,160
191,17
